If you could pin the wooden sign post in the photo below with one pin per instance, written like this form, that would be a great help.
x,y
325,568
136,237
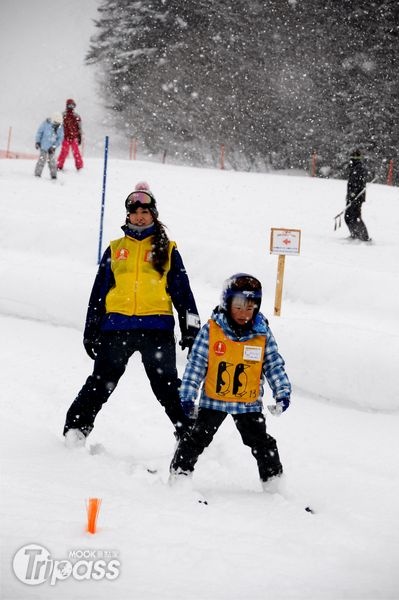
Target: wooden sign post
x,y
283,242
279,285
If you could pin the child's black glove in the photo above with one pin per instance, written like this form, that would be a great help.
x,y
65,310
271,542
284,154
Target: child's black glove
x,y
37,146
188,409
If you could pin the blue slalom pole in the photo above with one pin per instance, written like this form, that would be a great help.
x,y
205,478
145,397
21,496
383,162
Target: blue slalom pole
x,y
100,239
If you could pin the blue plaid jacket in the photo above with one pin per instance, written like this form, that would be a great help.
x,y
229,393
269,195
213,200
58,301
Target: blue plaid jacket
x,y
195,371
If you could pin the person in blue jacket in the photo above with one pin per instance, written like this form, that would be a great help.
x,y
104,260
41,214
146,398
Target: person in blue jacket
x,y
231,357
48,137
140,279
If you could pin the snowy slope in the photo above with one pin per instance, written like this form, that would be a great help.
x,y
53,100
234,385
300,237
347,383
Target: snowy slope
x,y
338,333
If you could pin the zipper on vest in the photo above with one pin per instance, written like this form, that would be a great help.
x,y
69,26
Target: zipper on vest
x,y
136,279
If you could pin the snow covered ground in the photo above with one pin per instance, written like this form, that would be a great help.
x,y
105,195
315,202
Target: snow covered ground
x,y
338,441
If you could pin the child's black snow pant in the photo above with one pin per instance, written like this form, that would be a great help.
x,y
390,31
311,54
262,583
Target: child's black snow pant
x,y
158,353
252,428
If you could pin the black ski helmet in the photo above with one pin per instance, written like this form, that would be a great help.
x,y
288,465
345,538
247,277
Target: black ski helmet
x,y
241,284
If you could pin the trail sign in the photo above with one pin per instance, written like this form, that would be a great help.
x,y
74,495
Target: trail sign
x,y
283,242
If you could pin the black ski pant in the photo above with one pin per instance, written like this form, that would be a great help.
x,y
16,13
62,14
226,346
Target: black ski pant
x,y
158,353
356,226
252,428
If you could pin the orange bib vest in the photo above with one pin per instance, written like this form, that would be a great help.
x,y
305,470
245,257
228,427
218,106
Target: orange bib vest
x,y
234,368
139,289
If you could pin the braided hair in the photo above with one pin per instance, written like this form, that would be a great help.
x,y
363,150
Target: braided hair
x,y
160,247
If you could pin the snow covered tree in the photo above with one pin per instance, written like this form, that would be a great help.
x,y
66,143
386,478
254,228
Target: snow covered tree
x,y
271,80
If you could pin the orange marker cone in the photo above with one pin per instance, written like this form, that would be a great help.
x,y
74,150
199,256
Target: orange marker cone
x,y
93,508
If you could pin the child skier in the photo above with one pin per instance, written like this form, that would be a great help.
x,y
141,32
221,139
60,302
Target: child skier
x,y
231,356
48,137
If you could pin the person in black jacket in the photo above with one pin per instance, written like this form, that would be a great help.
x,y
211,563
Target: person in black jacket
x,y
356,195
140,279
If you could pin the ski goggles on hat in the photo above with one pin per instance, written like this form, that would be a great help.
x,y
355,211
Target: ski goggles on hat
x,y
245,287
137,199
242,298
246,283
242,286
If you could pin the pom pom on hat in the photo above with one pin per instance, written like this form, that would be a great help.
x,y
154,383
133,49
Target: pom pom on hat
x,y
142,186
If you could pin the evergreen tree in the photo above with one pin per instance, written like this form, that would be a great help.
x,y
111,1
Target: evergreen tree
x,y
272,80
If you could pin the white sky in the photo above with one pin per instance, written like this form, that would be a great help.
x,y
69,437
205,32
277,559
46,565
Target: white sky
x,y
45,43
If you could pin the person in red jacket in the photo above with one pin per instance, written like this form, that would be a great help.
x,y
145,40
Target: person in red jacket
x,y
72,136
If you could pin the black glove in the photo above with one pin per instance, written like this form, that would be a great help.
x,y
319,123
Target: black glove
x,y
187,341
92,347
188,409
79,140
184,427
51,150
37,146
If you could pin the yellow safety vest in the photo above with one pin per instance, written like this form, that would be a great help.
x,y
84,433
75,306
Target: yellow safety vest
x,y
234,368
139,289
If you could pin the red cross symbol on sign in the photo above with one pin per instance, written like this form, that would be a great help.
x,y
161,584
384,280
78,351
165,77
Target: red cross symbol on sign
x,y
286,241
